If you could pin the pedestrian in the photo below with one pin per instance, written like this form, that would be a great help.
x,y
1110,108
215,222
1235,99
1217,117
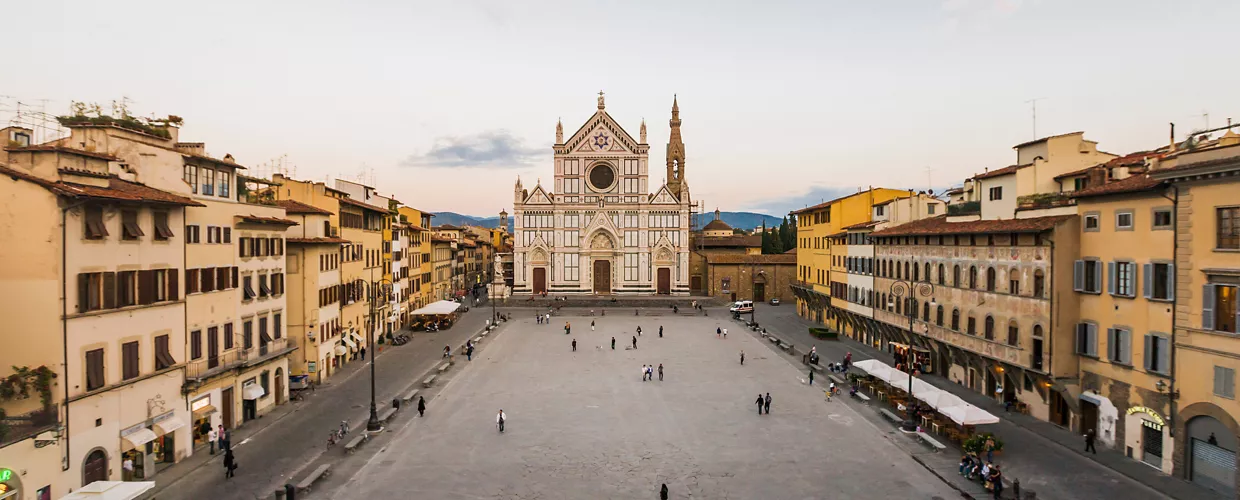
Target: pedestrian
x,y
768,403
344,427
660,331
663,492
447,351
567,328
1090,436
212,437
591,321
548,320
660,372
538,319
718,332
362,351
469,352
996,481
421,406
811,377
613,343
990,448
500,418
725,333
742,358
639,330
760,401
635,342
574,345
591,314
222,438
230,464
644,373
127,469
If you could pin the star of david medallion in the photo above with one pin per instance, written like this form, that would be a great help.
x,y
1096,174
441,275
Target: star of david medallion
x,y
601,141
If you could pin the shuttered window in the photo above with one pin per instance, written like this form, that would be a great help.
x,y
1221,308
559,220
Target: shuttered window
x,y
163,356
1157,353
277,322
94,227
1087,339
195,344
129,360
193,281
1119,345
126,288
1224,382
94,369
228,336
129,225
162,230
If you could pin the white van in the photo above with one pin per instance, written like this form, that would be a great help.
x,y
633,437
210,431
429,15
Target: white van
x,y
742,306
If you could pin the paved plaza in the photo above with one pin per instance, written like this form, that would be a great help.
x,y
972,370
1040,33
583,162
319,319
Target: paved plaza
x,y
584,425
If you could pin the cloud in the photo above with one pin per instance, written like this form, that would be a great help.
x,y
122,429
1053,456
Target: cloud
x,y
488,149
781,206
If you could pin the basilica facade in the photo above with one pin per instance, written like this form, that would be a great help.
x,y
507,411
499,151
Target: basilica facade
x,y
600,227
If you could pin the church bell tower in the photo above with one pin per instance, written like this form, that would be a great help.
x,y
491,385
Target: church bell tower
x,y
675,154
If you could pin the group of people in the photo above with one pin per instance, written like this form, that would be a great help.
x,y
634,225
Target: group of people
x,y
648,372
764,403
972,467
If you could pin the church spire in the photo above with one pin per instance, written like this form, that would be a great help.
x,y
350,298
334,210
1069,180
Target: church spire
x,y
675,152
643,131
559,131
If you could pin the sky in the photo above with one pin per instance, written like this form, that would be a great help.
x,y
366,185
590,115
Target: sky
x,y
784,104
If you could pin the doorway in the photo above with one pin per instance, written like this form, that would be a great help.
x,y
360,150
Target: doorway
x,y
759,292
1151,443
602,277
1060,411
1089,417
226,407
540,280
279,386
95,468
665,281
695,284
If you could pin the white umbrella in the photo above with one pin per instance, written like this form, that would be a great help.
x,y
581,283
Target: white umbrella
x,y
874,367
941,399
968,414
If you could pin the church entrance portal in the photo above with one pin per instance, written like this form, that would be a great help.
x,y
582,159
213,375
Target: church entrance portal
x,y
602,277
665,281
540,280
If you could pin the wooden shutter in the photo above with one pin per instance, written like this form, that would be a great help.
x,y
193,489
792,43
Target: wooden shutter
x,y
94,369
146,287
1149,351
243,246
83,292
1207,307
129,365
1164,354
228,235
1093,339
1125,343
1078,275
1112,278
1147,273
235,272
109,290
1112,345
195,344
1170,281
174,285
228,336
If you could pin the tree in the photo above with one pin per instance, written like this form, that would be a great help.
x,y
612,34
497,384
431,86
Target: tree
x,y
788,234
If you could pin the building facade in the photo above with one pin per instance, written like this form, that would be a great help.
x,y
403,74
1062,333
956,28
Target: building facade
x,y
596,229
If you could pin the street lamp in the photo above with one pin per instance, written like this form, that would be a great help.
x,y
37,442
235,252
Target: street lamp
x,y
908,292
375,291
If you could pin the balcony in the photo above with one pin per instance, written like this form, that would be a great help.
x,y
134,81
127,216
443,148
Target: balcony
x,y
201,369
15,428
966,208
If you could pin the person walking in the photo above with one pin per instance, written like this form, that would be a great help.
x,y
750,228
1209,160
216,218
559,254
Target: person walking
x,y
644,373
660,372
212,437
500,418
1090,436
663,492
742,358
574,345
469,352
230,464
225,439
635,342
548,320
538,319
660,331
447,351
613,343
362,351
990,446
811,377
760,401
591,321
768,403
221,437
567,328
639,330
718,332
421,406
996,481
725,333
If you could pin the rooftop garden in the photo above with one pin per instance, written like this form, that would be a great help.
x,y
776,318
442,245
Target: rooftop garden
x,y
92,114
966,208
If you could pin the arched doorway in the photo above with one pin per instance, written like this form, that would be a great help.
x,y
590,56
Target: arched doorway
x,y
279,386
1211,454
95,468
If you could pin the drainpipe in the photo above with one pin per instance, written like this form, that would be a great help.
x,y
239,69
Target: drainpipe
x,y
1050,328
1175,252
64,317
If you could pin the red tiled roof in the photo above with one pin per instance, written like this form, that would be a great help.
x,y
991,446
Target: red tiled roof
x,y
81,172
752,240
351,201
939,225
1049,137
1127,160
316,240
1215,162
448,227
864,225
442,239
469,244
297,207
717,225
117,190
255,219
1132,184
416,227
778,259
62,149
1010,169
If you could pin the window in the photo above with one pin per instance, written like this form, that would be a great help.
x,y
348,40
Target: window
x,y
1228,228
1219,311
162,231
1119,345
213,234
991,278
1225,382
247,334
572,185
1157,354
1087,339
95,230
195,344
1162,218
192,234
90,292
264,380
1158,281
208,181
1014,281
972,276
1123,221
129,360
956,319
942,278
879,210
126,288
972,323
1013,333
990,328
1091,222
996,193
129,225
248,288
956,275
228,336
263,290
1122,279
630,267
1039,283
191,177
225,183
572,267
930,208
163,357
1087,276
630,238
1080,183
94,369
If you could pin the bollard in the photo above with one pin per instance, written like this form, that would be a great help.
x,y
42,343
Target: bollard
x,y
1016,488
280,494
290,492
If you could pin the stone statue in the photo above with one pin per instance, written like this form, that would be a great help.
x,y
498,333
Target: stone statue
x,y
499,269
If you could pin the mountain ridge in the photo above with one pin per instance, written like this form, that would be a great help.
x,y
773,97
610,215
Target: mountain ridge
x,y
738,220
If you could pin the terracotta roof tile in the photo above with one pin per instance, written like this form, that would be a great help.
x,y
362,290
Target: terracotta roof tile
x,y
1127,160
255,219
81,172
351,201
117,190
62,149
1010,169
752,240
939,225
1035,141
442,239
778,259
1135,183
717,225
864,225
297,207
317,240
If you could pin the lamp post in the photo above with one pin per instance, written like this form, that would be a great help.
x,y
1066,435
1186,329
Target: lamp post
x,y
908,290
375,291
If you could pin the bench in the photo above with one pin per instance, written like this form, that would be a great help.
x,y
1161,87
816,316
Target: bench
x,y
444,367
477,340
890,416
835,378
931,441
861,395
773,339
786,347
817,368
429,380
319,473
352,445
409,395
386,415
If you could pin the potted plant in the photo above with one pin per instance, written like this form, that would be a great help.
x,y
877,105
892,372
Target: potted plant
x,y
977,443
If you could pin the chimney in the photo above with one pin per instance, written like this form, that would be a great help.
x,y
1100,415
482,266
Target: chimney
x,y
1096,176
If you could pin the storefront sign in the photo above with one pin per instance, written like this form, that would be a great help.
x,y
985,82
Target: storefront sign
x,y
5,475
200,403
1148,411
132,429
312,366
161,418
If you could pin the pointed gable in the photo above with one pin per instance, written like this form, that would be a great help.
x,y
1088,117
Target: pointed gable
x,y
538,197
664,196
586,138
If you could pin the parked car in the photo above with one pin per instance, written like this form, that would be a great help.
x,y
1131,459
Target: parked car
x,y
774,301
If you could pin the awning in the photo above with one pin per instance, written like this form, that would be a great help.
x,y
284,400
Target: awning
x,y
358,338
137,438
349,342
341,351
169,425
111,490
203,412
1091,398
440,307
252,392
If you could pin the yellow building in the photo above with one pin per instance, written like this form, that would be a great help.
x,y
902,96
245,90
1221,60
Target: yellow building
x,y
314,292
1205,187
419,253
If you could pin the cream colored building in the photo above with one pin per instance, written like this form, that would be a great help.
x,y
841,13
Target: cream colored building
x,y
313,263
82,228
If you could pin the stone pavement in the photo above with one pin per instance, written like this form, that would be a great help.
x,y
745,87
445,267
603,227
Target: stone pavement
x,y
1046,458
280,445
584,425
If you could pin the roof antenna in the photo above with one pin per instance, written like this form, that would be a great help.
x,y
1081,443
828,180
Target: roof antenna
x,y
1034,105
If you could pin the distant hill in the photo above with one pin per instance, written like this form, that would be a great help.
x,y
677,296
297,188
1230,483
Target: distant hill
x,y
738,220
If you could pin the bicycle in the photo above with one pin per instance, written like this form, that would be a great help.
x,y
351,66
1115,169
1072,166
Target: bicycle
x,y
334,437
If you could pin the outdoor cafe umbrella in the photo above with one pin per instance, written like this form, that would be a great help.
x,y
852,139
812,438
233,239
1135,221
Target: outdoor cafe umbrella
x,y
968,414
940,399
